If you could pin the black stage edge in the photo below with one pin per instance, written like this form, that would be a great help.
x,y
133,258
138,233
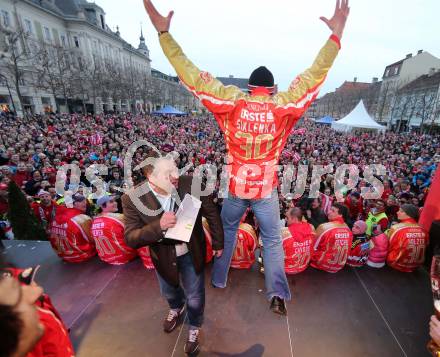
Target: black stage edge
x,y
118,311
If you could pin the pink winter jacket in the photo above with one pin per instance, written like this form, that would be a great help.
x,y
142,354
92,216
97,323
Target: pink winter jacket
x,y
378,251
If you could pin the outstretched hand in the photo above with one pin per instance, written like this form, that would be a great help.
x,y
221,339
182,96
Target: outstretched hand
x,y
160,22
337,22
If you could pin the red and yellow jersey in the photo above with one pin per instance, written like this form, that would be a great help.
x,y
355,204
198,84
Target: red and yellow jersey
x,y
407,247
298,244
108,234
145,255
247,242
208,239
256,127
332,245
70,235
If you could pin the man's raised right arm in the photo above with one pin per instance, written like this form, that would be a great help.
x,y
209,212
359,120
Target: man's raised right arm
x,y
211,92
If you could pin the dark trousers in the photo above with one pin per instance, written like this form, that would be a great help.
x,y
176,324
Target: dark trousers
x,y
191,290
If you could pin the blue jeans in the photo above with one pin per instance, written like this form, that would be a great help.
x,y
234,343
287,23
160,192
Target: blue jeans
x,y
191,290
267,211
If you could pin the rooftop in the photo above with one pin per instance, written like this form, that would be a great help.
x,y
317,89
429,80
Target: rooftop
x,y
232,81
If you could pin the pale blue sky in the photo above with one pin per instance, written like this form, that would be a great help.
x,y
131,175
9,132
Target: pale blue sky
x,y
235,36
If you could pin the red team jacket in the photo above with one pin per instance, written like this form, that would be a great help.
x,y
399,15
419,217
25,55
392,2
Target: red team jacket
x,y
408,242
257,126
332,245
298,244
55,340
70,235
108,234
247,242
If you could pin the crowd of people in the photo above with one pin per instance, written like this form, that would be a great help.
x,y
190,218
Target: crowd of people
x,y
31,153
318,232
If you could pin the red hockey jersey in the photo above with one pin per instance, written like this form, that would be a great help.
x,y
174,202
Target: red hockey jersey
x,y
247,242
332,245
108,234
70,235
407,247
256,127
298,244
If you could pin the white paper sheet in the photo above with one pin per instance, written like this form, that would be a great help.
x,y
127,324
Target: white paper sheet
x,y
186,217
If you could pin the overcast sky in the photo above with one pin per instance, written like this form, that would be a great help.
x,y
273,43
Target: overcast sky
x,y
235,36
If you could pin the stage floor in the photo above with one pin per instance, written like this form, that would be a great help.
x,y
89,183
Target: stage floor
x,y
118,311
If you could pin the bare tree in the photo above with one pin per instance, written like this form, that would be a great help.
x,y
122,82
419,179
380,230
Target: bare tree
x,y
53,72
132,86
403,108
114,81
426,106
79,82
386,99
17,63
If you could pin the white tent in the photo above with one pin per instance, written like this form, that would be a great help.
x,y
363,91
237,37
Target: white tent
x,y
357,119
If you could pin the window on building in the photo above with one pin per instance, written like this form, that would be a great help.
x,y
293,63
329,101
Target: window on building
x,y
396,69
80,63
387,72
21,80
76,41
63,40
47,33
28,26
102,22
5,18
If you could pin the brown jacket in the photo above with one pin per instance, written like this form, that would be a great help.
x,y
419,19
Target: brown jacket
x,y
142,230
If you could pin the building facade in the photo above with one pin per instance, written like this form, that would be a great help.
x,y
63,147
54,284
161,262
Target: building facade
x,y
62,55
344,99
398,75
417,104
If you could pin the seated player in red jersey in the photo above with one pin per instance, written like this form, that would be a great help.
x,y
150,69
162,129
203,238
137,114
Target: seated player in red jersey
x,y
360,247
408,241
247,242
70,234
41,331
244,255
108,233
333,241
45,209
298,239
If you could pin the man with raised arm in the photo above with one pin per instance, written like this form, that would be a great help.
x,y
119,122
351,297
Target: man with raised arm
x,y
256,126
